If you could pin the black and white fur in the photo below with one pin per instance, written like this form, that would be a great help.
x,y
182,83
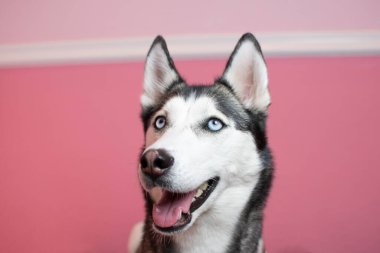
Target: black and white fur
x,y
230,220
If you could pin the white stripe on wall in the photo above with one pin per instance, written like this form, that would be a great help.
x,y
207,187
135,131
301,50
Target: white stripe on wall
x,y
191,47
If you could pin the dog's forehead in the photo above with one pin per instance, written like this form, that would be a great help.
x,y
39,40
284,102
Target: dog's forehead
x,y
200,102
193,106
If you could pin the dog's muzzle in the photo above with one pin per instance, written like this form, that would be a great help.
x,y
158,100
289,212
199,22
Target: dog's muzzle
x,y
172,212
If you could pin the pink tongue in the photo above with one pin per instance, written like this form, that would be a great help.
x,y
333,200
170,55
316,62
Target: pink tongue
x,y
167,211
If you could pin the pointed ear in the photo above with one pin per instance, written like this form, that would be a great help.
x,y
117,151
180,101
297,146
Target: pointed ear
x,y
159,74
246,73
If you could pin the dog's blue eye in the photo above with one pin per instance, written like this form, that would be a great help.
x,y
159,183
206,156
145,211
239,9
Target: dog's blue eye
x,y
214,125
160,122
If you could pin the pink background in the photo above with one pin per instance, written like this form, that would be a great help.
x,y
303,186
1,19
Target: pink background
x,y
70,136
24,21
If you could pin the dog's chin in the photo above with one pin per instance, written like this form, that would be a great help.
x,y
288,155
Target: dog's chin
x,y
172,212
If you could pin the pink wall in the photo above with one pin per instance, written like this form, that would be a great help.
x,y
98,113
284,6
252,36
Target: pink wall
x,y
70,138
45,20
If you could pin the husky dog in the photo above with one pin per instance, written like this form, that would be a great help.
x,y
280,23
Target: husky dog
x,y
206,168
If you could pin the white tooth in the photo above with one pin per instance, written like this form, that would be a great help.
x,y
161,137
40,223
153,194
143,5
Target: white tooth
x,y
199,193
204,186
179,215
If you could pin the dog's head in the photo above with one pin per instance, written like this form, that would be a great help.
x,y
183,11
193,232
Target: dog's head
x,y
200,140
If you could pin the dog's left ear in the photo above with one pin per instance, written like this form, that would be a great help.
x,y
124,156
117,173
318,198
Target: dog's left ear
x,y
246,73
159,74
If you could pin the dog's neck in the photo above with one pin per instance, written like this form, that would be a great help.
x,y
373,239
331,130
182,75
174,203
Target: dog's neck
x,y
214,230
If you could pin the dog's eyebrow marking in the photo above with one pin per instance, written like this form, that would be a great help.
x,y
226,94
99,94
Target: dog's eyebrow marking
x,y
224,100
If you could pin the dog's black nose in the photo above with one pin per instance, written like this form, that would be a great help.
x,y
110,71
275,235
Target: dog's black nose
x,y
155,162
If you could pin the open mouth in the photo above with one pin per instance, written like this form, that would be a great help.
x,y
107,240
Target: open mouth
x,y
173,211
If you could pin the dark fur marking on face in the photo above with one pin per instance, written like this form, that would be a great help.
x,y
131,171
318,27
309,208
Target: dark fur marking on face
x,y
226,101
148,112
245,120
258,129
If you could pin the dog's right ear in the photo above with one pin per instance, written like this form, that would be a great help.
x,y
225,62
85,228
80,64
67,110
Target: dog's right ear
x,y
159,74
